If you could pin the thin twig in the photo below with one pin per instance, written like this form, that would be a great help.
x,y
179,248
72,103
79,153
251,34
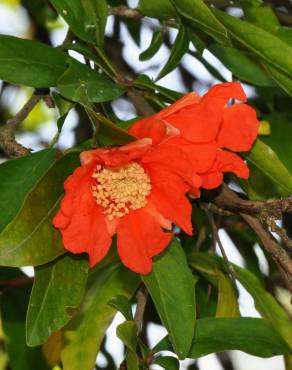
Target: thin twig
x,y
221,247
7,132
142,294
140,103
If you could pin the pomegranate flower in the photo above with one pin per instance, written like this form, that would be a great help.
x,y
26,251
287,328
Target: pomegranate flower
x,y
207,125
134,191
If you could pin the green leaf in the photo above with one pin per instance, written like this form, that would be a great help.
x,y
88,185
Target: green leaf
x,y
161,10
197,42
57,291
108,133
84,334
267,161
80,83
13,304
30,239
241,65
178,50
167,362
132,361
280,78
262,16
280,138
122,304
97,11
30,63
155,44
127,332
227,305
17,179
77,18
262,43
200,15
170,282
265,303
254,336
64,106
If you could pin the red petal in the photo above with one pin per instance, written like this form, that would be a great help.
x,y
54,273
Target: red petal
x,y
201,156
220,94
186,100
239,128
212,180
85,230
174,160
139,239
117,156
229,162
168,195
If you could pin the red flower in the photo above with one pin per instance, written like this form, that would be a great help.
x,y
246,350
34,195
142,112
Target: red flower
x,y
133,191
206,125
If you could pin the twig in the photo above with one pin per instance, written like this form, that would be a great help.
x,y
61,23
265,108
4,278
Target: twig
x,y
230,201
7,132
140,103
140,309
218,240
124,11
269,243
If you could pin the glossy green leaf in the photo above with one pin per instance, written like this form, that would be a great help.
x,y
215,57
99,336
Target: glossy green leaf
x,y
80,83
167,362
127,332
57,291
241,65
197,42
265,303
30,239
280,78
84,334
64,106
171,281
13,304
262,43
155,44
30,63
200,15
254,336
178,50
161,10
17,179
262,16
132,361
280,138
108,133
227,305
77,18
267,161
122,304
97,10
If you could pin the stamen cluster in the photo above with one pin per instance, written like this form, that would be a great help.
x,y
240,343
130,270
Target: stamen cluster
x,y
119,190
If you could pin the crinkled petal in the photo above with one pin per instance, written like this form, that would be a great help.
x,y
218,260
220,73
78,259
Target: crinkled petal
x,y
168,194
199,122
212,180
185,101
119,156
173,159
230,162
139,239
200,155
85,229
239,128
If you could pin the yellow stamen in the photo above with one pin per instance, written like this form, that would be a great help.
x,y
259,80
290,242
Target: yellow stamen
x,y
120,190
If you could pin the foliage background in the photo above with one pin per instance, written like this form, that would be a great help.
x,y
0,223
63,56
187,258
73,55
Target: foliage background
x,y
194,72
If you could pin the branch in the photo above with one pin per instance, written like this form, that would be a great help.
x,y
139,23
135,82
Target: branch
x,y
140,103
124,11
228,200
140,309
7,132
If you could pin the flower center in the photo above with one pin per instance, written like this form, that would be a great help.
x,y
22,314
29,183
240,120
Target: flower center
x,y
119,190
